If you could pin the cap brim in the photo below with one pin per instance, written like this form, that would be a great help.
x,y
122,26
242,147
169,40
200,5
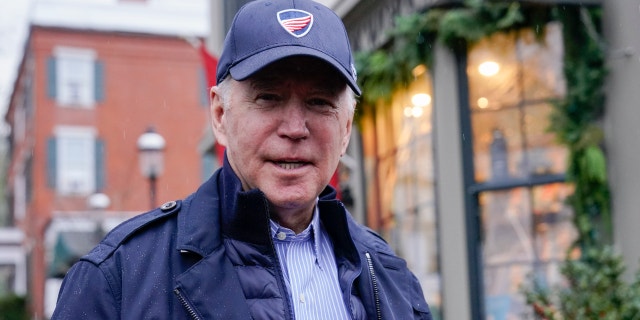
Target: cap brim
x,y
247,67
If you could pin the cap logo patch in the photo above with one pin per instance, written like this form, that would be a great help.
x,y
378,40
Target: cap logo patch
x,y
296,22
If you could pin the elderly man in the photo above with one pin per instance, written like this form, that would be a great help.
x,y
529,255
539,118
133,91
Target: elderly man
x,y
264,237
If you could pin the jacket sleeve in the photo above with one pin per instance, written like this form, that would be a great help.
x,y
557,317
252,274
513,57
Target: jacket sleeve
x,y
86,294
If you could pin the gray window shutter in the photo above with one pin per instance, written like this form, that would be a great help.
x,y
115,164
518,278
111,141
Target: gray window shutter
x,y
51,77
100,159
98,81
51,162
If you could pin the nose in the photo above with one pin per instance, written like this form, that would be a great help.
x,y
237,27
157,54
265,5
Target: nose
x,y
293,123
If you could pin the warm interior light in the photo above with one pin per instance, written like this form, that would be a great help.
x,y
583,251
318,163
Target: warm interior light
x,y
413,112
417,112
419,70
483,103
489,68
407,112
421,100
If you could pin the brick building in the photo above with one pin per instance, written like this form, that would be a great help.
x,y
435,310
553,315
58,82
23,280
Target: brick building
x,y
86,90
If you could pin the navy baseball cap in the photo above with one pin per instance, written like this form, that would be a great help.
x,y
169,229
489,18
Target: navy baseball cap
x,y
264,31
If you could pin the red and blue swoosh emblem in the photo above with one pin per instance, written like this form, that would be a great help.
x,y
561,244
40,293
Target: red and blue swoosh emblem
x,y
297,22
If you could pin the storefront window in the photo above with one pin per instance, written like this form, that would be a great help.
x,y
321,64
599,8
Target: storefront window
x,y
527,231
513,80
406,214
526,227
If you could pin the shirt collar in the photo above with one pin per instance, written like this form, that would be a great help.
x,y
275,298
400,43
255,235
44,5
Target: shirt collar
x,y
312,233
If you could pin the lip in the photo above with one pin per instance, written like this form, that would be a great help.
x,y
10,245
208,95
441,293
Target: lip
x,y
290,165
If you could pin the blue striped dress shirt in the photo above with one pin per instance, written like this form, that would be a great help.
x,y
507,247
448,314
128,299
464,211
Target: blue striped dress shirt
x,y
310,270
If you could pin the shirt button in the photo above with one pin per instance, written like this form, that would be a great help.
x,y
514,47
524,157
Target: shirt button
x,y
281,235
302,298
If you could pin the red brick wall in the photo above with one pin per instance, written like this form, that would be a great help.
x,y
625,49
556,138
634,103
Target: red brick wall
x,y
149,81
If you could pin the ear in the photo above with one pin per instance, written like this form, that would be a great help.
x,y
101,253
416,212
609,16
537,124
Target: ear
x,y
217,116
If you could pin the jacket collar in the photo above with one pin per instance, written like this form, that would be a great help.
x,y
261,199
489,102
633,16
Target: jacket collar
x,y
198,222
220,207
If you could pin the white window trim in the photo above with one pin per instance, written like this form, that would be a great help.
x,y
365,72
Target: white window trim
x,y
14,254
74,131
61,53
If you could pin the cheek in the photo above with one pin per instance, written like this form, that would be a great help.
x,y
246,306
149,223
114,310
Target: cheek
x,y
244,136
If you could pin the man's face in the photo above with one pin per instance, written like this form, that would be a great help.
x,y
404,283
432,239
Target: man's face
x,y
285,129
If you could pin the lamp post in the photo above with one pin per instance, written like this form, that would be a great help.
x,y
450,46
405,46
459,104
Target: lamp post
x,y
150,148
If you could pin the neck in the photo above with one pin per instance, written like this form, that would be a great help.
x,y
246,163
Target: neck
x,y
296,220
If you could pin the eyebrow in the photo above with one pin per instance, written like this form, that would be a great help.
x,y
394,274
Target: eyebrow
x,y
272,82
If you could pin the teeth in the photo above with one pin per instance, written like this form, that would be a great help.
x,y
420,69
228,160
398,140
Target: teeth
x,y
289,165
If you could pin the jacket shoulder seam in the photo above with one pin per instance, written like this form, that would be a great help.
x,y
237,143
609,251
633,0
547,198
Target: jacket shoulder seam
x,y
122,232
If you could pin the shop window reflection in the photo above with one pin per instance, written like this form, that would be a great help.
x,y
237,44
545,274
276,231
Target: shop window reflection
x,y
405,180
515,143
526,227
526,231
513,79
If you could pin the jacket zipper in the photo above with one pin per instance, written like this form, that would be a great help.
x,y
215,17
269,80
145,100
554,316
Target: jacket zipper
x,y
186,305
374,281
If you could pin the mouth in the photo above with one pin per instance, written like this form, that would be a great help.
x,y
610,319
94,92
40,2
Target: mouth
x,y
290,165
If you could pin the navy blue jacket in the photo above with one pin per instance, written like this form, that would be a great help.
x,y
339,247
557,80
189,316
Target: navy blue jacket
x,y
210,256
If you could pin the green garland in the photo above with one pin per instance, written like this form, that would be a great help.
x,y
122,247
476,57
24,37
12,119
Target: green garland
x,y
574,120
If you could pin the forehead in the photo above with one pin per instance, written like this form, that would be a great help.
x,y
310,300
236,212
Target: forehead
x,y
301,69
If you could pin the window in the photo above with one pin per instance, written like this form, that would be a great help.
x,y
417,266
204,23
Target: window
x,y
75,77
75,160
13,270
7,278
526,227
404,183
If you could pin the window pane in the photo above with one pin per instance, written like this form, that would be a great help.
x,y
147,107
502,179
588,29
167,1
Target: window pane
x,y
406,185
525,231
543,155
553,221
76,165
75,70
7,279
513,81
515,143
506,69
498,143
493,69
542,76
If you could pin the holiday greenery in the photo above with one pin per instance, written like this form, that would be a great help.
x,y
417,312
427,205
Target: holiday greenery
x,y
594,291
575,123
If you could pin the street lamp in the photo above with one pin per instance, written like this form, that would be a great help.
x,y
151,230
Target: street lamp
x,y
150,148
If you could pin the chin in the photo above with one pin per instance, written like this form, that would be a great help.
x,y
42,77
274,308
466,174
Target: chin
x,y
291,203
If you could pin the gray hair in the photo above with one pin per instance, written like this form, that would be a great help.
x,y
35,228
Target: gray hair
x,y
224,91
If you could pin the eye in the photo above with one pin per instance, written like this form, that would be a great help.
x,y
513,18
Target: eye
x,y
321,103
267,100
268,97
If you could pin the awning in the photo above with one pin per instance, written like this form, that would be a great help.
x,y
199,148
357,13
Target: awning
x,y
69,247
